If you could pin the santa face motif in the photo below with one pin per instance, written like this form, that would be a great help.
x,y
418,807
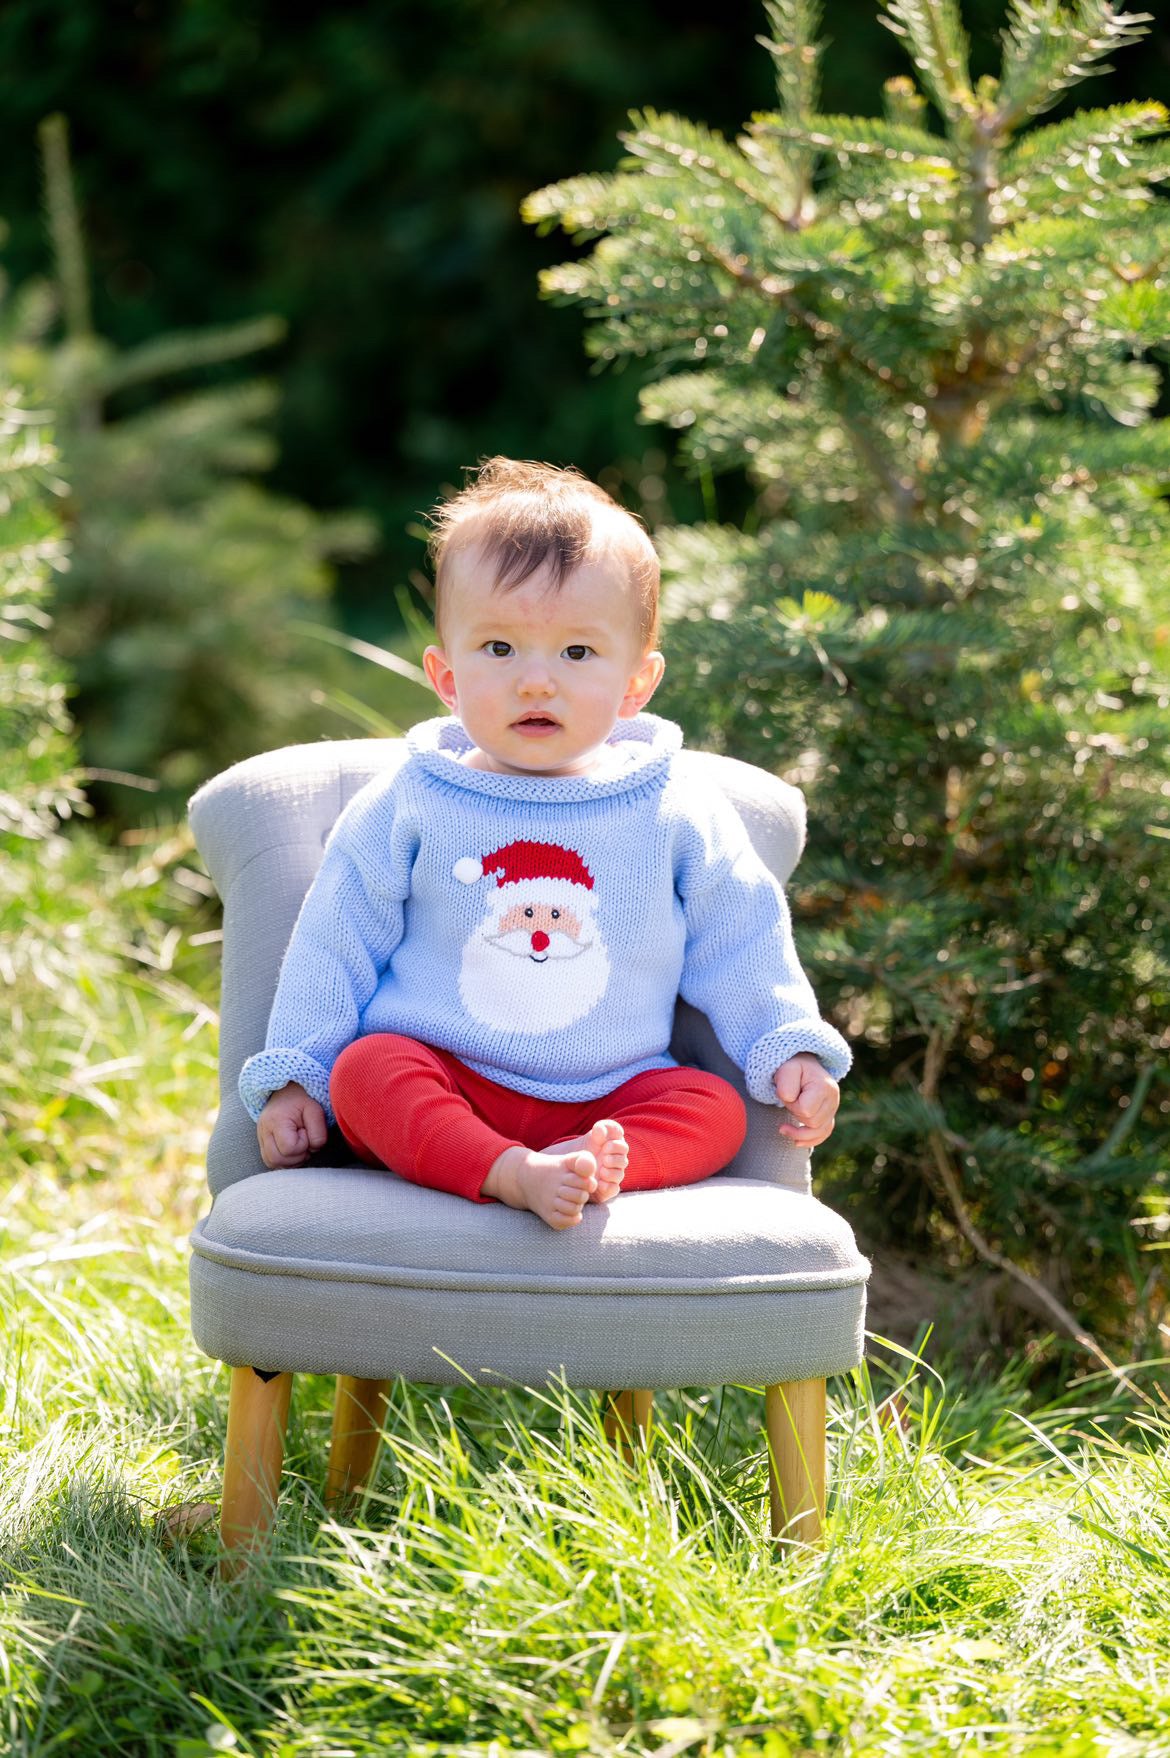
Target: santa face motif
x,y
536,962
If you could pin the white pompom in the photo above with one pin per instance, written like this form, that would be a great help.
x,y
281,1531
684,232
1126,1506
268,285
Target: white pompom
x,y
467,870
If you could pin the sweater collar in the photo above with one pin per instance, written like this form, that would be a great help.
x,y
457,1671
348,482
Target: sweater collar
x,y
647,743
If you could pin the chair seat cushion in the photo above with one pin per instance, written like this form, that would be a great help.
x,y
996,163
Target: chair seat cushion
x,y
347,1270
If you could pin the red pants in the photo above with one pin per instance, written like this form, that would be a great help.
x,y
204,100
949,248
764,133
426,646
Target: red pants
x,y
425,1115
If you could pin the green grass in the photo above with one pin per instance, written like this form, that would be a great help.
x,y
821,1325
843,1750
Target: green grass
x,y
995,1576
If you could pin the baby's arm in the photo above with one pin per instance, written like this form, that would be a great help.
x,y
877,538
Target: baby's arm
x,y
742,970
811,1096
290,1127
348,928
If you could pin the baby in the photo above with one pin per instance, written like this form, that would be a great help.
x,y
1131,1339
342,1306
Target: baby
x,y
480,986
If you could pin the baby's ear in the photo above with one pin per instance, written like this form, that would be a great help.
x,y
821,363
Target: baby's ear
x,y
440,676
642,685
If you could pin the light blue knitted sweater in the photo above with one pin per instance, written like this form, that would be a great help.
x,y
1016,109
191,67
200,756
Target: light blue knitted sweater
x,y
540,928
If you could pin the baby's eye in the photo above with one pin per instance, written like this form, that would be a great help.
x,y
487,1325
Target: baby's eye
x,y
577,651
498,649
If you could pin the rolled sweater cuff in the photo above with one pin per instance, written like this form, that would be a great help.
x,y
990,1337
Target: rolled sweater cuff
x,y
770,1052
266,1073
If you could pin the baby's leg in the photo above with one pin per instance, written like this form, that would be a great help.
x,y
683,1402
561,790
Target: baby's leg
x,y
420,1112
681,1125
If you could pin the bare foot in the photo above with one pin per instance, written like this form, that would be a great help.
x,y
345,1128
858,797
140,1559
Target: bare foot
x,y
554,1185
606,1141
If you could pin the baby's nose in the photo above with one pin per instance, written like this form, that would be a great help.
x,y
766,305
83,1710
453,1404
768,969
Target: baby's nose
x,y
537,681
539,940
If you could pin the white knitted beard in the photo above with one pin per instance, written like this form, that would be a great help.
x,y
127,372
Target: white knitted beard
x,y
503,985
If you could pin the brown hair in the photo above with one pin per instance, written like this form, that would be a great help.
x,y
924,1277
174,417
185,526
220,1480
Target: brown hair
x,y
526,516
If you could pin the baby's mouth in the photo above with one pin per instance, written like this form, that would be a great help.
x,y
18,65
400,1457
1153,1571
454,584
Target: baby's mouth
x,y
537,720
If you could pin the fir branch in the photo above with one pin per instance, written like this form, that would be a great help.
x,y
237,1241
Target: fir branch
x,y
796,57
783,293
795,53
702,153
903,492
904,104
996,385
938,48
1061,144
1046,450
65,226
1047,50
862,137
1139,310
584,206
183,351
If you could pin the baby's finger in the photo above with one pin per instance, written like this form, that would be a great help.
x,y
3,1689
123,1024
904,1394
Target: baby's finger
x,y
804,1137
272,1153
318,1129
286,1134
787,1081
794,1129
804,1128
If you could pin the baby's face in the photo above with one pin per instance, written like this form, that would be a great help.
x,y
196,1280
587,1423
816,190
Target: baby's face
x,y
540,675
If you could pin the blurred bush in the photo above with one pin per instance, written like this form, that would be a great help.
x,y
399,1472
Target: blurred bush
x,y
90,940
174,618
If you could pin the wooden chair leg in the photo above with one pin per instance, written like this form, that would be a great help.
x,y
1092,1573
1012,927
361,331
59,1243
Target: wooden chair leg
x,y
794,1416
359,1416
257,1417
627,1419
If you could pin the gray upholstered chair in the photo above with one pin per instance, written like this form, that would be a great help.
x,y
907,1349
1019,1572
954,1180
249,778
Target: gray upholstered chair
x,y
334,1268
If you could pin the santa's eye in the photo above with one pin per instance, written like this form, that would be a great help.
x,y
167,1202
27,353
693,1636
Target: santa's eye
x,y
556,915
498,649
528,911
578,651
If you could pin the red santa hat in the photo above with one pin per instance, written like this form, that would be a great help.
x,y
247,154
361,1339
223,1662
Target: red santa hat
x,y
547,871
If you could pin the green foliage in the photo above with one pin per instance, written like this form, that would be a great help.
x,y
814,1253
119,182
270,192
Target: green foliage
x,y
173,616
89,941
38,787
510,1585
358,171
936,358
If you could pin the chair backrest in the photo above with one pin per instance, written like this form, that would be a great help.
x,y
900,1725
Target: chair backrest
x,y
261,827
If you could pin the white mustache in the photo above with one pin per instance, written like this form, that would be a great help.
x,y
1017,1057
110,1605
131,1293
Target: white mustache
x,y
518,944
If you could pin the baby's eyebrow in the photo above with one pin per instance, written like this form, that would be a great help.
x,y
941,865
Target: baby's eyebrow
x,y
498,629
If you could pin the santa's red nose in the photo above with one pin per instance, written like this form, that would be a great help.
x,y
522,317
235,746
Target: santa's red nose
x,y
539,940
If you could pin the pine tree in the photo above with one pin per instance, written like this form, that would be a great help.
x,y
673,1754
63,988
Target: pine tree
x,y
930,342
176,618
39,787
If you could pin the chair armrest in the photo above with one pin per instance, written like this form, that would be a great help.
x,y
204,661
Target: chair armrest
x,y
766,1155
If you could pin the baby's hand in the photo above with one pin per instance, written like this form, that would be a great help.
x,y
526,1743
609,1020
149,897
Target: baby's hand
x,y
291,1127
812,1097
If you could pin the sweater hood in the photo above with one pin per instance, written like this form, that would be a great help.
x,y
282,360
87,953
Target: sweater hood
x,y
646,744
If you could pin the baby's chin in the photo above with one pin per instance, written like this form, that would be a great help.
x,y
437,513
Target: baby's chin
x,y
517,763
